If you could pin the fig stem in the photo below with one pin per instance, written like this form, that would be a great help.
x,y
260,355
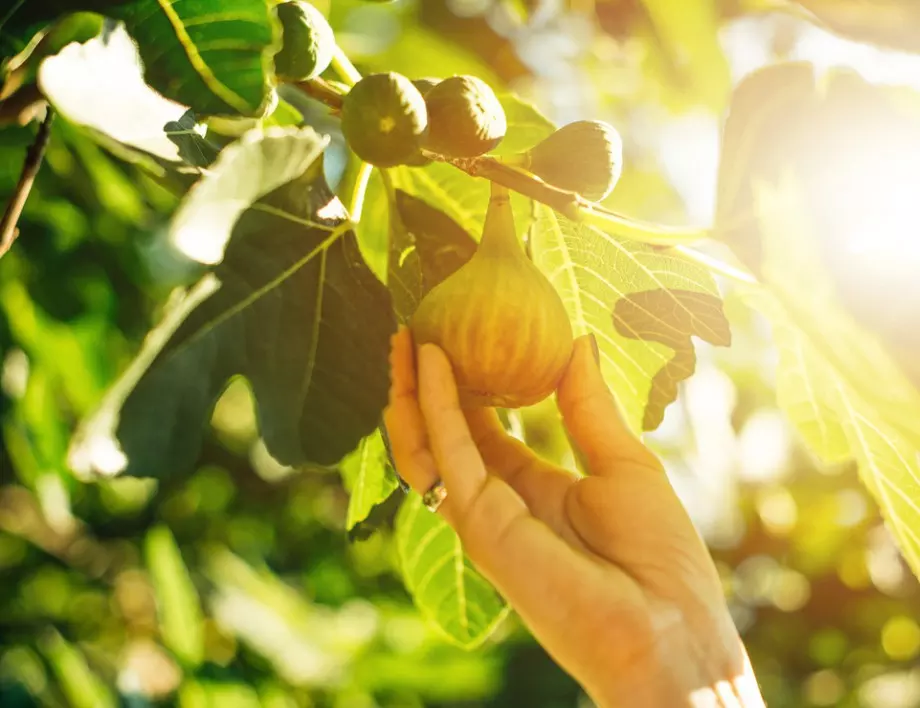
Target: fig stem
x,y
571,205
715,265
17,202
503,172
342,66
322,91
655,234
499,235
353,185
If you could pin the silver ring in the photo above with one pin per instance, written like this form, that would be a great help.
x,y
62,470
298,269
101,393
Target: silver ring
x,y
435,496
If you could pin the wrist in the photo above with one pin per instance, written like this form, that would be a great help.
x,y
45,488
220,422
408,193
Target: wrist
x,y
687,671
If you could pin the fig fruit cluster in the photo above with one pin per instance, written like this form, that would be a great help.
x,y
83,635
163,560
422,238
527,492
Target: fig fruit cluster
x,y
498,319
457,117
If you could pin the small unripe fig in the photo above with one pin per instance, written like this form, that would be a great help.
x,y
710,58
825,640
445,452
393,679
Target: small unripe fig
x,y
384,119
465,119
308,42
499,320
584,157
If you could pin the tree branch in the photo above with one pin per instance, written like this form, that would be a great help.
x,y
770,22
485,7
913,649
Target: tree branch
x,y
322,91
33,161
569,204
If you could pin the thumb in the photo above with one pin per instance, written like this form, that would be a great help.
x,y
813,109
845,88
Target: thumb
x,y
592,417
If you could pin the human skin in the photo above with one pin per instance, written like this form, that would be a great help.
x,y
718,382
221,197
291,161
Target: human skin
x,y
606,570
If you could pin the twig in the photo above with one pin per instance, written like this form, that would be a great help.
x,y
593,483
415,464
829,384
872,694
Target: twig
x,y
322,91
8,230
569,204
342,66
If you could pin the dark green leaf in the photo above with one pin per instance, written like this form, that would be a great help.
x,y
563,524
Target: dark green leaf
x,y
193,148
268,158
426,246
115,105
23,68
295,310
212,55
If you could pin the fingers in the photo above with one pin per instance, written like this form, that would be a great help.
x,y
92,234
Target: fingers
x,y
506,542
458,459
591,415
542,486
540,574
403,419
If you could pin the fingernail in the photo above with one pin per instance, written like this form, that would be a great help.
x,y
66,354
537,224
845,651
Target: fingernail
x,y
595,349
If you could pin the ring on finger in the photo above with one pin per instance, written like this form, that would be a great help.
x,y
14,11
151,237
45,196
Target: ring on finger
x,y
435,496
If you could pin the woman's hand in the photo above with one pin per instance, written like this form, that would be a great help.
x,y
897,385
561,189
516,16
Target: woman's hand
x,y
607,570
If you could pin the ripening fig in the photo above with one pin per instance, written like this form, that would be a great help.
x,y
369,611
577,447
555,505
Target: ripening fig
x,y
584,157
384,119
307,42
499,320
465,118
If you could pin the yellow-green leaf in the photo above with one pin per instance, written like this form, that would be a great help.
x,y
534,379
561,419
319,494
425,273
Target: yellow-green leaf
x,y
368,478
178,606
212,55
593,271
448,591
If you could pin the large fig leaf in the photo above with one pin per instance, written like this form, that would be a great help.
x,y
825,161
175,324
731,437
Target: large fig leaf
x,y
256,164
99,85
295,310
212,55
643,305
889,23
822,378
817,194
448,591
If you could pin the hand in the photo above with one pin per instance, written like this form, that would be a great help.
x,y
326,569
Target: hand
x,y
607,570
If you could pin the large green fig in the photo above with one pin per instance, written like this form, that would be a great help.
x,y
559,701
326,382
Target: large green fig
x,y
465,119
585,157
384,119
499,320
308,42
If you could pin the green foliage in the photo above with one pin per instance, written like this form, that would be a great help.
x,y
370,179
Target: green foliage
x,y
368,478
643,370
445,586
188,302
177,601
